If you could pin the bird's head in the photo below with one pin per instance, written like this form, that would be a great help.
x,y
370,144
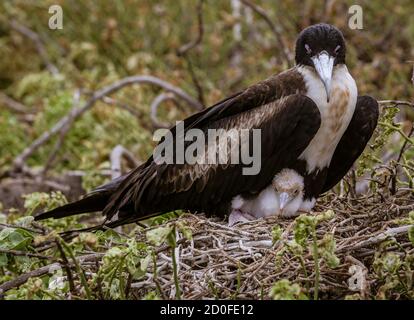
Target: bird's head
x,y
289,187
322,47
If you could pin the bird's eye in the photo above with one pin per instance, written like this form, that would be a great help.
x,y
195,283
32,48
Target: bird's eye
x,y
308,49
337,49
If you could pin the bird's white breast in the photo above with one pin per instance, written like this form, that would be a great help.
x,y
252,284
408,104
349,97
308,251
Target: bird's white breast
x,y
265,204
335,114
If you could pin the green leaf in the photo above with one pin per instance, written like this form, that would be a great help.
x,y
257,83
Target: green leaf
x,y
145,262
3,260
15,239
327,249
159,235
411,235
24,221
285,290
276,233
185,230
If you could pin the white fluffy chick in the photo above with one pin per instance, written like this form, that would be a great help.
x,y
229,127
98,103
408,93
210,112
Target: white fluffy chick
x,y
283,197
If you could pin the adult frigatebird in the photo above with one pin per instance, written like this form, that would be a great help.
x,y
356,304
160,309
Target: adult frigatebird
x,y
311,120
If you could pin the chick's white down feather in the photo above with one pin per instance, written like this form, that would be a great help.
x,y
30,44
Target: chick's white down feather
x,y
268,202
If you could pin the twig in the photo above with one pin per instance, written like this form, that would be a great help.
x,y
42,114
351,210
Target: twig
x,y
378,238
78,268
116,156
40,48
316,261
66,266
61,137
162,97
188,46
280,43
26,254
402,150
396,103
194,79
13,104
16,282
183,51
13,226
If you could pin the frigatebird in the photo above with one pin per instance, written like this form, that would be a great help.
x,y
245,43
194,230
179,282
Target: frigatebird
x,y
311,120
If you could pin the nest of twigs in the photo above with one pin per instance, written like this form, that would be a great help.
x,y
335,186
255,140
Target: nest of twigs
x,y
244,261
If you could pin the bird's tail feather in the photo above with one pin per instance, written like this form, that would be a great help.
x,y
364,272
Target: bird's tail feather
x,y
95,201
92,203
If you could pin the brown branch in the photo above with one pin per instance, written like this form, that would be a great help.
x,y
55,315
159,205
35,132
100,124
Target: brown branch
x,y
116,156
392,232
75,113
16,282
196,82
7,225
402,150
154,109
66,267
25,254
64,131
396,103
188,46
182,51
280,43
13,105
40,48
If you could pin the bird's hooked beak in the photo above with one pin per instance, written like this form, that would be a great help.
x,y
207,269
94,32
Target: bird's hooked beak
x,y
284,199
323,63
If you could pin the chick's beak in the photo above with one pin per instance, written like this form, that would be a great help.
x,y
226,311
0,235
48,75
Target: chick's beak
x,y
284,199
323,63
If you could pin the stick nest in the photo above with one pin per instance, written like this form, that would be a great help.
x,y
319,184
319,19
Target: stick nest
x,y
244,261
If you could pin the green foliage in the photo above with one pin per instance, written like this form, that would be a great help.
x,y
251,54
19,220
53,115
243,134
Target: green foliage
x,y
44,201
120,262
395,274
15,239
276,233
102,43
285,290
304,235
411,230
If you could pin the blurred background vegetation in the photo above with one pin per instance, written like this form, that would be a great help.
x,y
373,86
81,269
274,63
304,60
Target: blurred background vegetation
x,y
44,74
104,41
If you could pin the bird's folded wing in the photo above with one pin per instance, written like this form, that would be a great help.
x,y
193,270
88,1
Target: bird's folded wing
x,y
354,140
286,127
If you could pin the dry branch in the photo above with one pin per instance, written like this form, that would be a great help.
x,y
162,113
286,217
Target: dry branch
x,y
15,283
396,103
280,42
13,105
40,48
188,46
162,97
117,154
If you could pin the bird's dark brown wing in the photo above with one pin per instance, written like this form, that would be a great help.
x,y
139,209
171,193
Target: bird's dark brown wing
x,y
354,140
151,188
287,125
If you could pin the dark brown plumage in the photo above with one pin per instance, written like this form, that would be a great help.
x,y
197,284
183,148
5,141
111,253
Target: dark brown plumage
x,y
289,120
